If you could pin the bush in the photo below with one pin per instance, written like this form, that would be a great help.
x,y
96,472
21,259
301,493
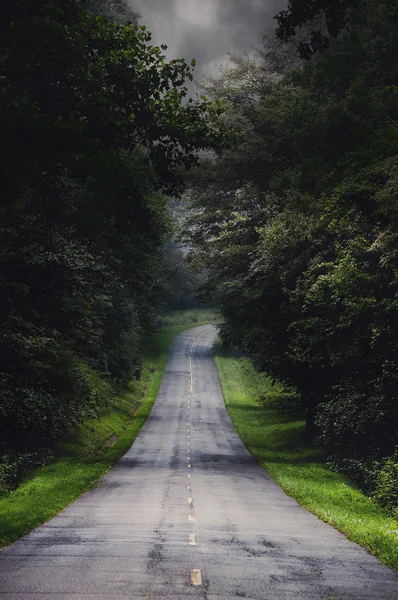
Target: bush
x,y
357,421
13,468
386,484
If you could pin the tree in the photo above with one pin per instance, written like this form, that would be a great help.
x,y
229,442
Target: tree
x,y
295,225
96,134
114,10
326,19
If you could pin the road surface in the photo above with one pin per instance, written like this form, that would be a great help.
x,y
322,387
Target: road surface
x,y
187,513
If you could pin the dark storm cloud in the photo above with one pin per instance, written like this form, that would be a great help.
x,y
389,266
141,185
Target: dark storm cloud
x,y
207,29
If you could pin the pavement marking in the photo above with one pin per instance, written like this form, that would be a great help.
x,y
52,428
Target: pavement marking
x,y
191,518
190,500
189,466
192,540
190,488
196,577
189,476
190,371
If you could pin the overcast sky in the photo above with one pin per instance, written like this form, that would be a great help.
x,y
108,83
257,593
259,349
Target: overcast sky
x,y
207,29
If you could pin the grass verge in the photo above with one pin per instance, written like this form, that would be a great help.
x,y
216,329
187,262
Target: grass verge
x,y
90,449
275,437
194,315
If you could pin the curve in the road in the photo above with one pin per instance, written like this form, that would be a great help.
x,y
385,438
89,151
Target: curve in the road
x,y
188,513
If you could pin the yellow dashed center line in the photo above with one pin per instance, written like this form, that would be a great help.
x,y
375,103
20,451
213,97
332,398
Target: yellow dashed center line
x,y
190,371
196,577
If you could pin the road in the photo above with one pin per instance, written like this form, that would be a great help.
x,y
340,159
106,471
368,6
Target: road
x,y
187,513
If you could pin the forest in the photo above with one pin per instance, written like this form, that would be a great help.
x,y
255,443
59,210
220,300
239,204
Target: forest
x,y
288,171
295,224
96,135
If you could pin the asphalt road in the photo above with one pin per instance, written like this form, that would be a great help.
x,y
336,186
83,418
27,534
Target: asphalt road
x,y
188,513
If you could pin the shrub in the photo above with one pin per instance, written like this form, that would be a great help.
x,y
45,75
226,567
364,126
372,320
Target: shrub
x,y
386,484
14,467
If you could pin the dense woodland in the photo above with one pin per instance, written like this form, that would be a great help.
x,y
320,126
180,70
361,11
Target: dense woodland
x,y
296,224
95,134
292,218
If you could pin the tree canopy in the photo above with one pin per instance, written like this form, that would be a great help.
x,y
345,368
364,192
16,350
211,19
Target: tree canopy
x,y
295,226
96,131
321,20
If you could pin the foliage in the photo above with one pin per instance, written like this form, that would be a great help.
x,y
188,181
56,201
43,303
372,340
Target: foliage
x,y
181,282
295,227
96,132
85,452
387,483
276,439
115,10
326,19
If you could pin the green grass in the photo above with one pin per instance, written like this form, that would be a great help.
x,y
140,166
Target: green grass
x,y
90,449
195,315
275,437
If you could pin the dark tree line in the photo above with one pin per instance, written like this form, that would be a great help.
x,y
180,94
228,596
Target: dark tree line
x,y
296,227
95,133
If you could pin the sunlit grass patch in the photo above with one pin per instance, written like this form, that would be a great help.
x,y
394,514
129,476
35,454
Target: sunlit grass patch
x,y
195,316
274,434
